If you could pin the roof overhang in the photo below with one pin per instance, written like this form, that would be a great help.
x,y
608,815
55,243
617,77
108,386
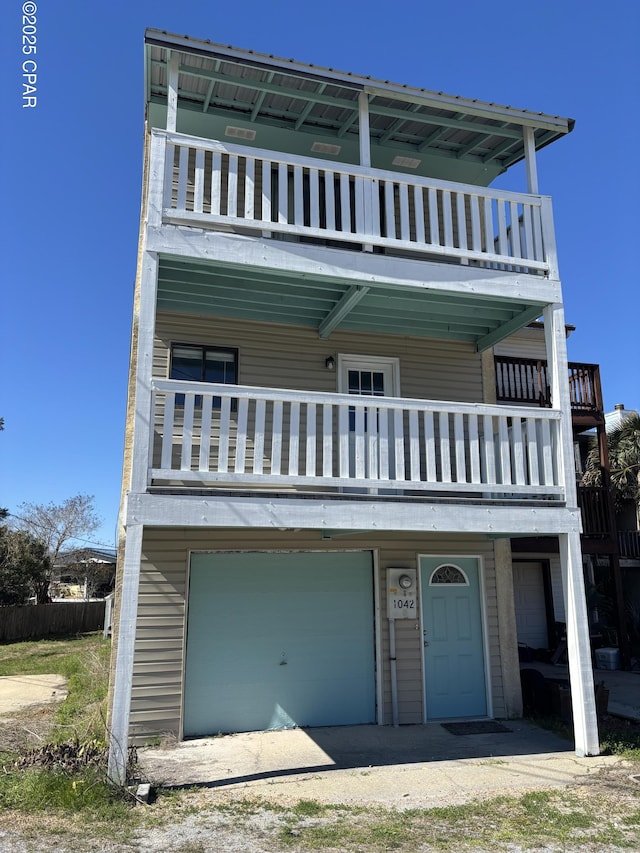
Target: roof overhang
x,y
292,106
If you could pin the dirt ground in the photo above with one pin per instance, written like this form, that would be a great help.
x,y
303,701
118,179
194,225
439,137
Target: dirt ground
x,y
200,820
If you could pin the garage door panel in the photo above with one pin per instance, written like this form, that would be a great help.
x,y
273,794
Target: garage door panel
x,y
279,640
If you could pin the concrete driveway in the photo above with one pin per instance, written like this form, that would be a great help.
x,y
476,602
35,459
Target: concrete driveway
x,y
406,767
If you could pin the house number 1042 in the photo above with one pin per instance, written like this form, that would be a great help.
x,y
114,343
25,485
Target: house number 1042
x,y
404,604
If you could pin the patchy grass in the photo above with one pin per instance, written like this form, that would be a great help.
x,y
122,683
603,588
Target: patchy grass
x,y
617,736
620,737
592,817
75,728
84,662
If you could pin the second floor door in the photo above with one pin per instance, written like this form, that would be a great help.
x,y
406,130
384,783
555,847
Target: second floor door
x,y
371,432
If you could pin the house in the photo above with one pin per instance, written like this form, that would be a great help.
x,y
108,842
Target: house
x,y
82,573
320,489
521,377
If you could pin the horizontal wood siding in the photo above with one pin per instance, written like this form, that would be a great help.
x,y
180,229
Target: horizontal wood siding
x,y
283,356
158,663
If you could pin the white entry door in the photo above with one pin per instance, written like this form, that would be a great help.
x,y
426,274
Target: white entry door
x,y
530,603
371,446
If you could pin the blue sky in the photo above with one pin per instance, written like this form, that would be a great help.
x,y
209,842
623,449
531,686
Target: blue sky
x,y
72,170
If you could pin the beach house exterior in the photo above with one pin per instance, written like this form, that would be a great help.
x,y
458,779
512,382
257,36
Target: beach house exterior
x,y
320,487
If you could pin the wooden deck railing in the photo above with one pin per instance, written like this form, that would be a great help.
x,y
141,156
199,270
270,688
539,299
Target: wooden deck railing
x,y
222,434
212,184
524,380
593,502
629,543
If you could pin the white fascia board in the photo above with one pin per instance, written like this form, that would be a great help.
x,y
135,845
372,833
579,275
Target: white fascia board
x,y
317,514
357,267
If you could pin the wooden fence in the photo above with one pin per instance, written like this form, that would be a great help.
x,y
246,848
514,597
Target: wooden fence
x,y
35,621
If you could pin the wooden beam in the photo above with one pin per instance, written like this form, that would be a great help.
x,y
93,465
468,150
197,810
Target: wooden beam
x,y
511,326
490,111
305,112
341,309
322,513
316,262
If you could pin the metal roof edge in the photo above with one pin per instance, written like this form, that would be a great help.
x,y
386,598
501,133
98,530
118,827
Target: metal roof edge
x,y
441,100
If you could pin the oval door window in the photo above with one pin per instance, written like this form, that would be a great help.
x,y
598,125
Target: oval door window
x,y
449,574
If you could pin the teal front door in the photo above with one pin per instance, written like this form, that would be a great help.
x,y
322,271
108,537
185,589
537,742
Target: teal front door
x,y
278,641
454,669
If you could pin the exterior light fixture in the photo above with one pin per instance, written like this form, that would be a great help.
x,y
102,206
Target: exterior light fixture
x,y
330,363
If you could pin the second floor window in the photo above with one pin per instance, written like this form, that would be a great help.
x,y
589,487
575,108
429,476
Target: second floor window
x,y
193,363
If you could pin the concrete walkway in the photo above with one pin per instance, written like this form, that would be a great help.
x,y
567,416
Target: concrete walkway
x,y
406,767
21,691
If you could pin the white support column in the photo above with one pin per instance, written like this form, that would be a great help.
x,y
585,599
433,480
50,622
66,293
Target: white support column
x,y
578,644
156,189
172,91
530,160
505,600
363,129
365,160
119,733
143,416
585,720
558,376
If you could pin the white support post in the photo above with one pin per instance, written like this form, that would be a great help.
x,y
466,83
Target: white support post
x,y
157,190
585,720
365,160
172,91
363,130
143,416
558,377
578,643
530,160
119,733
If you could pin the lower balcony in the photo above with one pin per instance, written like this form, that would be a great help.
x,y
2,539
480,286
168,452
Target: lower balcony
x,y
224,436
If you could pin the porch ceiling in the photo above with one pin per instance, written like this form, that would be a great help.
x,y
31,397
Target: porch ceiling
x,y
296,104
278,297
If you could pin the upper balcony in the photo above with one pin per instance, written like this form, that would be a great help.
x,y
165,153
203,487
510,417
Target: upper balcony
x,y
346,161
215,185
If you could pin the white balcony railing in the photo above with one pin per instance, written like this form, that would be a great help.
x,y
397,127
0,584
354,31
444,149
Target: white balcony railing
x,y
220,434
216,185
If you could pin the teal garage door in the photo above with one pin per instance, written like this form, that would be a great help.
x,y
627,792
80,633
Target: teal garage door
x,y
279,640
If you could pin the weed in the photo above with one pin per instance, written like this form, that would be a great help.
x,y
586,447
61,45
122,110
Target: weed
x,y
308,808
